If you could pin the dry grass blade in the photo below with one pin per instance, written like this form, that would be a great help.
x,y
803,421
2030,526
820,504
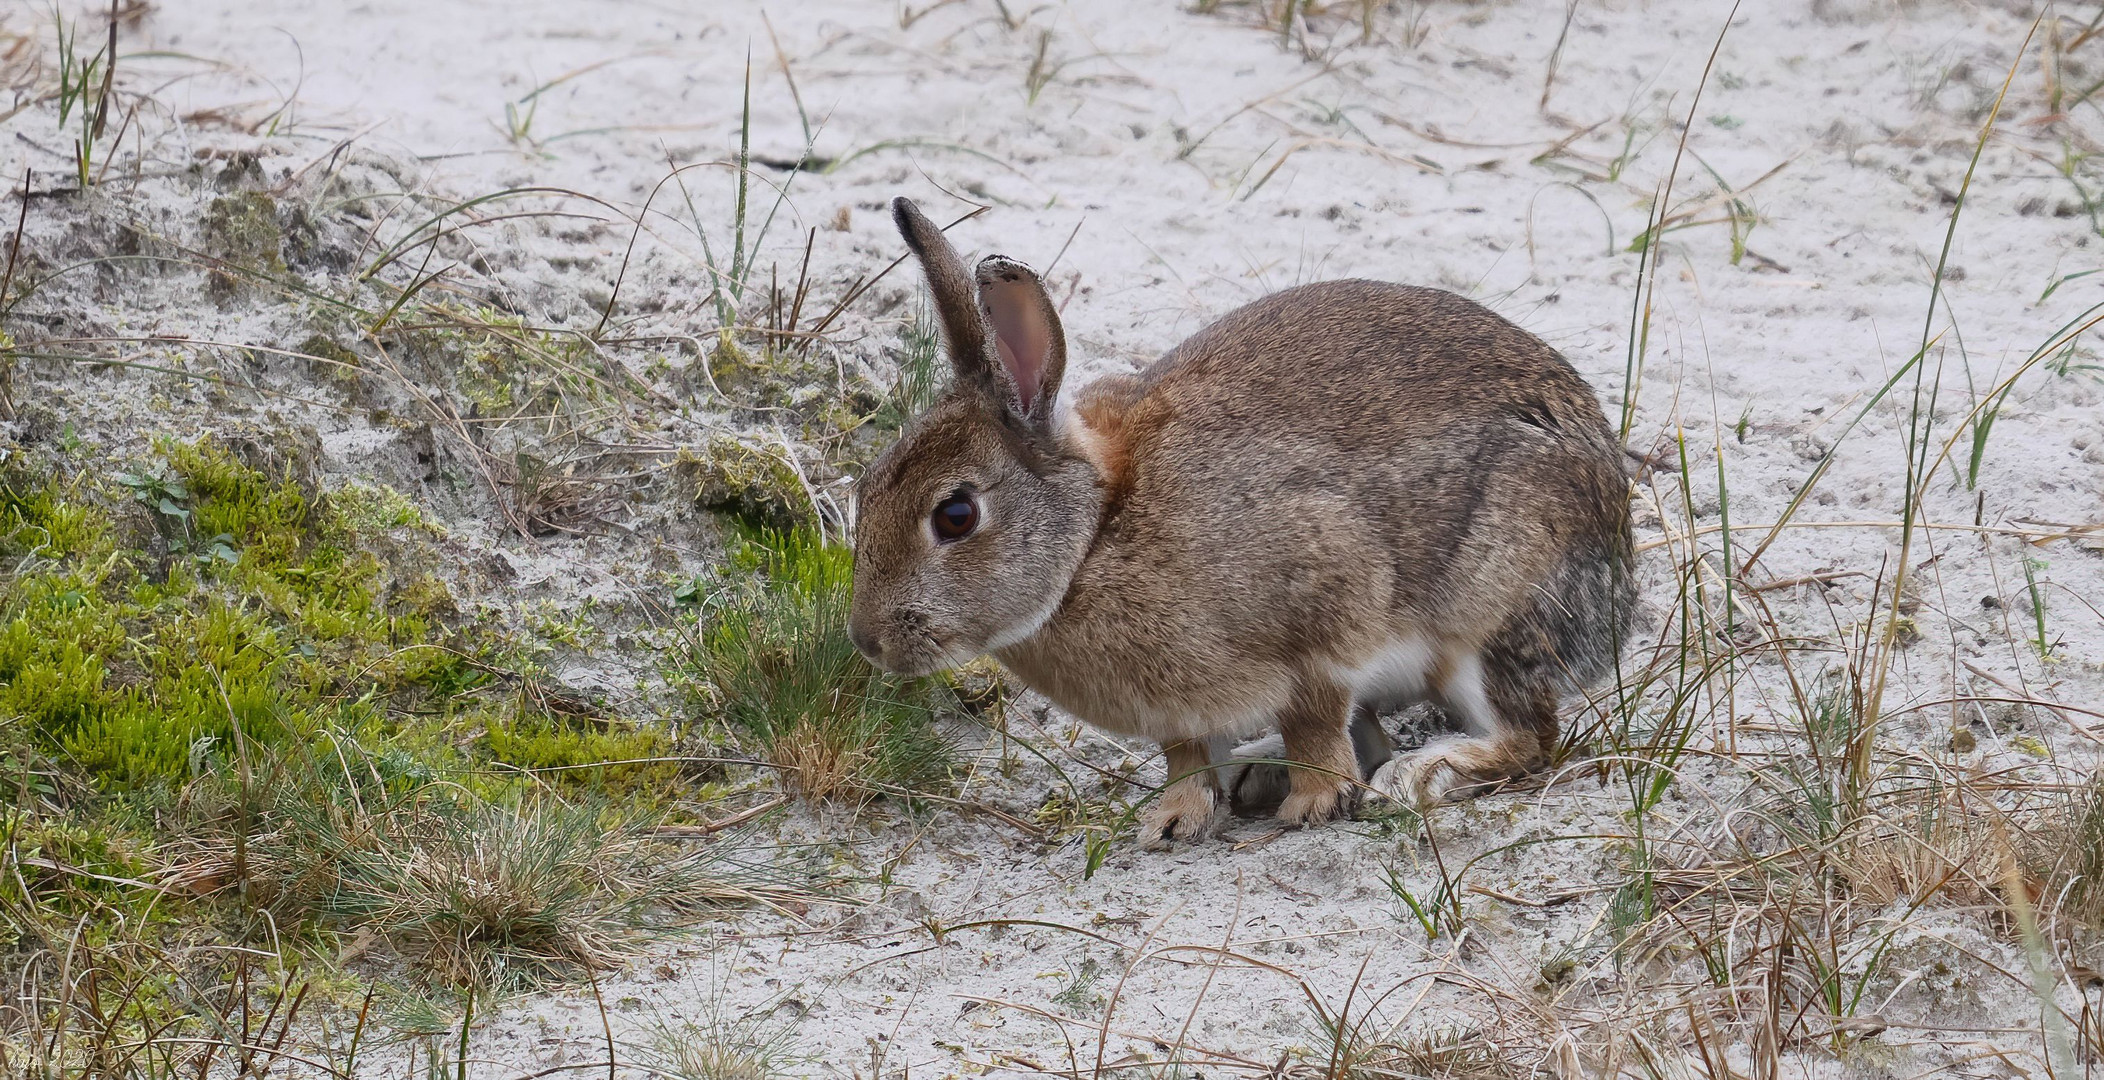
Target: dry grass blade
x,y
558,496
2072,870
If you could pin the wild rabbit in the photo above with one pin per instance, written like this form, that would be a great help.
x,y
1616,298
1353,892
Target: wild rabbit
x,y
1342,497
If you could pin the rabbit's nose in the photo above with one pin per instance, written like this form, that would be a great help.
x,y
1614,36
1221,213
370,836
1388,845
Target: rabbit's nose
x,y
865,643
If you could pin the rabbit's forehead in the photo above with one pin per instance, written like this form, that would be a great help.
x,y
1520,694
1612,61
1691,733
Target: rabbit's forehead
x,y
934,457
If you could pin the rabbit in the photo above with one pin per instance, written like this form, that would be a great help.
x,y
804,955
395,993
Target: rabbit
x,y
1342,497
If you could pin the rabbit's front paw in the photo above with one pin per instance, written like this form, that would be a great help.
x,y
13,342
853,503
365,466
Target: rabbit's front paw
x,y
1316,798
1184,812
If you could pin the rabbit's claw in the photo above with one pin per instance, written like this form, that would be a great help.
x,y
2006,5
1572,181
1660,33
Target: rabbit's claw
x,y
1185,812
1449,768
1316,798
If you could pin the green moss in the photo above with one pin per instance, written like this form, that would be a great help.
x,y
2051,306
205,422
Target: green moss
x,y
555,624
212,682
425,594
500,364
261,622
339,364
45,520
730,366
791,380
260,617
374,508
268,518
574,751
326,348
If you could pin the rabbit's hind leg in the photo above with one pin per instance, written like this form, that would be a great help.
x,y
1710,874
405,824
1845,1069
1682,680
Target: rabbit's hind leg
x,y
1511,717
1188,807
1324,781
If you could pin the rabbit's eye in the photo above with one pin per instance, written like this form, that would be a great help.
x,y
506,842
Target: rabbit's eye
x,y
955,517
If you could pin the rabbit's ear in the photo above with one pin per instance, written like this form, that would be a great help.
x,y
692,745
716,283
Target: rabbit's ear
x,y
962,330
1027,337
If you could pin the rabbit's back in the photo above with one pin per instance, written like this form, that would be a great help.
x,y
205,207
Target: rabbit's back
x,y
1341,361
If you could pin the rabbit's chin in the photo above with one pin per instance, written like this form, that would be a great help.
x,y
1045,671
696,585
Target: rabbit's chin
x,y
931,653
924,658
919,666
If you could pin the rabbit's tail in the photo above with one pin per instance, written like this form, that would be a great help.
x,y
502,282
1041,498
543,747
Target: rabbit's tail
x,y
1599,587
1574,631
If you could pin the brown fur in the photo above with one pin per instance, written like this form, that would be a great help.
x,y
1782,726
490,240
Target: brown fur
x,y
1350,491
1107,410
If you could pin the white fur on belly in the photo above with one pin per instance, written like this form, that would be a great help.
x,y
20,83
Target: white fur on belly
x,y
1232,721
1464,691
1395,672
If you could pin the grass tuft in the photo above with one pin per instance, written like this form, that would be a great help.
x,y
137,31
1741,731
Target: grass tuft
x,y
750,1045
509,895
2075,875
1359,1049
921,372
775,659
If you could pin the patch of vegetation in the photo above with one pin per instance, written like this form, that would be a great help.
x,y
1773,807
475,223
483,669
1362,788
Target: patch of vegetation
x,y
334,362
250,606
792,380
221,711
253,618
721,1045
1065,812
922,375
367,509
503,895
358,844
133,1011
2075,872
502,365
1078,992
775,663
752,484
576,751
241,230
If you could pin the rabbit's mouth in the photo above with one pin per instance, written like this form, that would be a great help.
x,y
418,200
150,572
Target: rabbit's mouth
x,y
928,655
910,653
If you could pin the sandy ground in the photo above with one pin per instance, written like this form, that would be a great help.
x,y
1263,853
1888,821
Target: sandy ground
x,y
1171,166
